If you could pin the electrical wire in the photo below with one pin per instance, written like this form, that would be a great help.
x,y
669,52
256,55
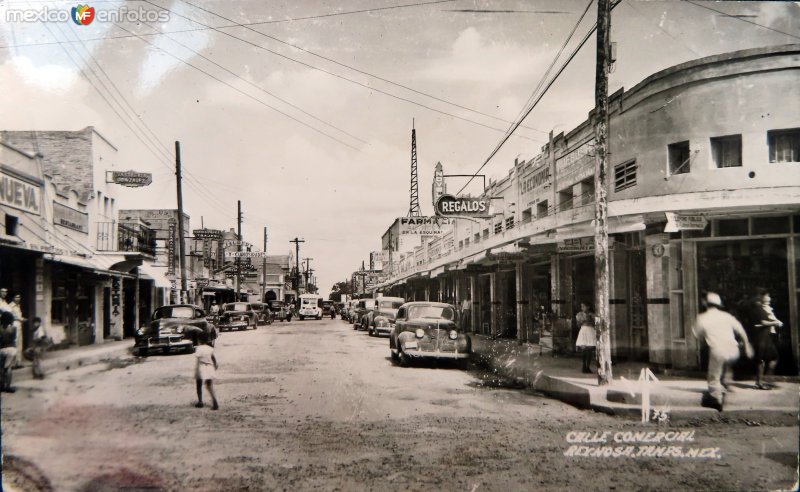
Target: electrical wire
x,y
333,74
539,98
743,20
358,70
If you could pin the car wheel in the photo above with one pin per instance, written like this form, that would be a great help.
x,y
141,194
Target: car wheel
x,y
319,317
189,350
405,360
143,352
302,317
395,356
462,364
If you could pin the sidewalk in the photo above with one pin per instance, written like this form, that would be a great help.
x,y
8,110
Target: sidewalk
x,y
71,358
561,378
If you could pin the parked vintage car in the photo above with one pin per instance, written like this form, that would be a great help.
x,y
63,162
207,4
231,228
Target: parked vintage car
x,y
427,330
263,313
328,309
280,311
363,307
349,309
381,319
237,316
174,328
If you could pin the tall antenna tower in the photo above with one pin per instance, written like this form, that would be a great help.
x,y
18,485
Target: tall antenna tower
x,y
413,209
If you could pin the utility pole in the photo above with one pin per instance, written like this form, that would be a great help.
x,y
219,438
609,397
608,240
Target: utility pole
x,y
238,248
181,245
297,261
601,280
264,267
308,271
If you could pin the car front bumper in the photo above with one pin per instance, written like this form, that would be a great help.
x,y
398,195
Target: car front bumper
x,y
236,325
167,344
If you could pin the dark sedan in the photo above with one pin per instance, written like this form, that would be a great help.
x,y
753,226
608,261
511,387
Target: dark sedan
x,y
237,316
427,330
263,313
174,328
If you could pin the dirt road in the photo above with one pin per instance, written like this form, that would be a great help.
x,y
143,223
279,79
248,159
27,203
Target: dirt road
x,y
315,405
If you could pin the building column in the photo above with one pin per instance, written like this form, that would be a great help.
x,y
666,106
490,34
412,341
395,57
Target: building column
x,y
658,306
521,301
494,301
473,315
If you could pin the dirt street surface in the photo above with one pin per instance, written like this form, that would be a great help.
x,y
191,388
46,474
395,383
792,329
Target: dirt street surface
x,y
315,405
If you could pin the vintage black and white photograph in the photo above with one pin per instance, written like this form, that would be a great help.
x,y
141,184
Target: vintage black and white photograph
x,y
399,245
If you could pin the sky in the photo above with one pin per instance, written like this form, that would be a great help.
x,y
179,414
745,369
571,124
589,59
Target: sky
x,y
305,114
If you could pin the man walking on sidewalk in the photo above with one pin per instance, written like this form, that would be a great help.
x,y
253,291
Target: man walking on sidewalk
x,y
719,329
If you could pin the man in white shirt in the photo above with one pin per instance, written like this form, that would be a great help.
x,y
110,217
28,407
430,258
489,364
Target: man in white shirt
x,y
719,329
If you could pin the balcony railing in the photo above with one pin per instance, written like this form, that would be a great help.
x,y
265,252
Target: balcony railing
x,y
132,237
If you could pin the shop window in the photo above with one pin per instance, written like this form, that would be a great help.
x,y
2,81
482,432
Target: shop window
x,y
541,209
565,199
770,225
727,151
679,157
11,225
784,145
498,228
625,175
732,227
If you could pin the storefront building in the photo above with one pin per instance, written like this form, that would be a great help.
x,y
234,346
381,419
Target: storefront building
x,y
704,194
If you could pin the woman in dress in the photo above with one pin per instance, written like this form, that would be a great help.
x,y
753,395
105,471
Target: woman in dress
x,y
764,325
586,342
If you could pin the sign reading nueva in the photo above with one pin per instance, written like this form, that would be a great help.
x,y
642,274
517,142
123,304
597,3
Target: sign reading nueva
x,y
464,206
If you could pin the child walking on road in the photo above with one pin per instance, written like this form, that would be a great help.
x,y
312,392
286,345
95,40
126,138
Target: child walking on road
x,y
205,370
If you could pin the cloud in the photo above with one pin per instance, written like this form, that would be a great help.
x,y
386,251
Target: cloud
x,y
50,77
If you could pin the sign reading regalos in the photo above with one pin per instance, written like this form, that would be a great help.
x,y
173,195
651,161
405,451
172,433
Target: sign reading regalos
x,y
451,206
131,178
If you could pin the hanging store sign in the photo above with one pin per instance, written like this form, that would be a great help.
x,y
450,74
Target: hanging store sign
x,y
678,222
131,179
235,242
245,254
424,226
171,231
19,194
207,233
576,245
70,218
452,206
381,256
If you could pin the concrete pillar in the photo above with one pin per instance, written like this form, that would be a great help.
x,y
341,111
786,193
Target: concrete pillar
x,y
520,301
658,295
493,299
473,316
97,317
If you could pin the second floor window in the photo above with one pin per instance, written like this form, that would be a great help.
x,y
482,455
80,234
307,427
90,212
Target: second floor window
x,y
727,151
625,175
784,145
679,157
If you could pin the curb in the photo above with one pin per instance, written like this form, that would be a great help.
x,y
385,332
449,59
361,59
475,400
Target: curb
x,y
61,364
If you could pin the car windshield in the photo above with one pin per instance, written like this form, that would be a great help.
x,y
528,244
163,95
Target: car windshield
x,y
309,301
237,306
174,312
390,304
430,312
276,304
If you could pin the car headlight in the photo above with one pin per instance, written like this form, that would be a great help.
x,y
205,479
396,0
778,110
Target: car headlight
x,y
381,321
140,331
179,329
420,333
453,334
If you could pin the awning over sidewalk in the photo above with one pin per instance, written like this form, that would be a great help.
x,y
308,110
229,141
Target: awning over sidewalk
x,y
157,274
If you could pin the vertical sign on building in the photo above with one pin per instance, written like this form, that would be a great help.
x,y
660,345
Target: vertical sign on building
x,y
171,247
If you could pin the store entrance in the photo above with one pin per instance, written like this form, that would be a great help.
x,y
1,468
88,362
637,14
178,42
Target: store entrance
x,y
735,269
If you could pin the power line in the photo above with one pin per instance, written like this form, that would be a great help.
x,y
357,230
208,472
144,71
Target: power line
x,y
328,72
320,16
259,87
539,98
363,72
743,20
243,92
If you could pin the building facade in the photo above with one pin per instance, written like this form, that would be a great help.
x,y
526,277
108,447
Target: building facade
x,y
704,195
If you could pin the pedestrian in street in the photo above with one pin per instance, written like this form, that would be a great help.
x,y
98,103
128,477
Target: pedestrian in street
x,y
586,342
720,330
466,311
40,342
763,324
205,370
15,306
8,349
